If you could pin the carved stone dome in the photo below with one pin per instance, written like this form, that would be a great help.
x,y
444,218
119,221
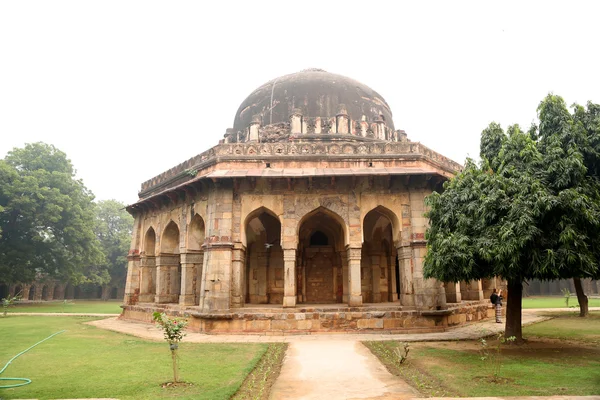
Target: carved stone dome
x,y
312,93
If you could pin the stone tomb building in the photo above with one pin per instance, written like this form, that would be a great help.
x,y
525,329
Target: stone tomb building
x,y
306,217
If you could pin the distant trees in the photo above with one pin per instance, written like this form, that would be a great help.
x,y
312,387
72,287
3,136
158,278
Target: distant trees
x,y
46,217
529,210
50,225
113,228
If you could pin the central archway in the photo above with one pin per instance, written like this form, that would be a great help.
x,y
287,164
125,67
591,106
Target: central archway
x,y
321,258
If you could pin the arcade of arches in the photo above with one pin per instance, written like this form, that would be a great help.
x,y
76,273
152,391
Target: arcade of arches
x,y
308,259
48,290
311,201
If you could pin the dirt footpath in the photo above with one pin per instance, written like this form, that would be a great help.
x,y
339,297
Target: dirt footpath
x,y
336,370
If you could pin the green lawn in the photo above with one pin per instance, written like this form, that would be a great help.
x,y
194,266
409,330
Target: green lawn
x,y
568,327
542,366
87,362
556,302
71,306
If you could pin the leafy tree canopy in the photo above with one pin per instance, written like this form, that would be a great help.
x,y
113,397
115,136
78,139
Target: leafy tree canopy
x,y
46,217
529,210
113,229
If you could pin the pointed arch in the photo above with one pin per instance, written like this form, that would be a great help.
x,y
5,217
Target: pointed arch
x,y
326,212
150,242
263,272
196,233
382,211
321,254
169,242
45,292
379,270
253,214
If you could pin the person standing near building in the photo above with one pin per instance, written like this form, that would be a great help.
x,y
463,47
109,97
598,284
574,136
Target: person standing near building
x,y
496,299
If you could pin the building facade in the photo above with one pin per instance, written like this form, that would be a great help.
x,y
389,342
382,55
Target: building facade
x,y
312,201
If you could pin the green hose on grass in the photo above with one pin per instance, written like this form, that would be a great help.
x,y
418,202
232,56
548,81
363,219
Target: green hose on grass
x,y
25,381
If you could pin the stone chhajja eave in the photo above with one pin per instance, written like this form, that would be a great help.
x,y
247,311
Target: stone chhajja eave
x,y
288,173
296,150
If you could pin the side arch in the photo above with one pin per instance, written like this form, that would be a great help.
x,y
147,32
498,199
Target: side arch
x,y
390,215
169,241
150,242
253,214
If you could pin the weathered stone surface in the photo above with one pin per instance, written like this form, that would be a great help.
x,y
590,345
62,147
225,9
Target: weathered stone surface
x,y
312,221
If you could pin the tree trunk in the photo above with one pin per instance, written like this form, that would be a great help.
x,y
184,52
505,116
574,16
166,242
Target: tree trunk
x,y
513,310
581,297
175,375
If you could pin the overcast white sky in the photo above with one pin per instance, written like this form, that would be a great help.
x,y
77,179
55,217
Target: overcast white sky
x,y
129,89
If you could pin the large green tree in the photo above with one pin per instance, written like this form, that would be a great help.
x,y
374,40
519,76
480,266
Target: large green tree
x,y
46,217
529,210
113,229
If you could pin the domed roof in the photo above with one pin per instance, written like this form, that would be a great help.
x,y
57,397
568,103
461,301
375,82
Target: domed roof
x,y
316,93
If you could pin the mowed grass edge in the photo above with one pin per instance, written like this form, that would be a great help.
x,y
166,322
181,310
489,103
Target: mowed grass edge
x,y
561,356
86,362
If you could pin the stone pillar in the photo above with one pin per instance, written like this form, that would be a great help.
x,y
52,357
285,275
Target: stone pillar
x,y
253,134
25,294
471,290
37,294
406,287
289,277
146,278
342,120
354,257
488,286
50,295
393,295
376,277
296,122
60,291
237,275
453,294
218,251
380,134
190,262
345,279
199,277
167,266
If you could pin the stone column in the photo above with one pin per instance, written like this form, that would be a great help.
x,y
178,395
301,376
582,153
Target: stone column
x,y
25,294
296,121
453,294
50,292
355,296
406,288
488,286
376,277
166,272
218,249
60,293
253,129
146,279
37,293
345,279
189,265
237,275
471,290
342,120
393,295
289,277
